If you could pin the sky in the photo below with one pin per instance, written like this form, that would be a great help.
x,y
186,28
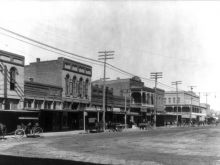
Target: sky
x,y
179,38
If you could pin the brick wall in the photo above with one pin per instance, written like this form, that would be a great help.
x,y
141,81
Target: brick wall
x,y
46,72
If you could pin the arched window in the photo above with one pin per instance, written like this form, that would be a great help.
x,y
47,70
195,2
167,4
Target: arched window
x,y
13,73
87,88
80,87
67,80
71,87
74,86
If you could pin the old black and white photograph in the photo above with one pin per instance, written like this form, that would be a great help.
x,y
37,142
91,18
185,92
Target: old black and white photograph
x,y
109,82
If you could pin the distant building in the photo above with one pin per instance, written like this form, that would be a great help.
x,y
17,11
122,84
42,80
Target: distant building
x,y
141,106
188,105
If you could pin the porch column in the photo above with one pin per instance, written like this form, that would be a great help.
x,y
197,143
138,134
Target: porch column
x,y
3,104
141,97
173,108
97,116
32,104
20,104
42,105
51,105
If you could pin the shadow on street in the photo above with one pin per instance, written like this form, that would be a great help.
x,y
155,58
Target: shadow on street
x,y
12,160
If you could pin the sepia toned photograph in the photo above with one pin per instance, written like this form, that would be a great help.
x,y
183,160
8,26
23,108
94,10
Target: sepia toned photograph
x,y
109,82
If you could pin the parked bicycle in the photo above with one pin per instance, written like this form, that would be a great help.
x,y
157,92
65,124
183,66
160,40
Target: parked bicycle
x,y
28,130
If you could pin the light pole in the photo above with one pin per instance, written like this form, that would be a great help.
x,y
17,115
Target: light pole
x,y
155,76
177,101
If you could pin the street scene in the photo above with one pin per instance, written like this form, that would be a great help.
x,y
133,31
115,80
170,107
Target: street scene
x,y
101,82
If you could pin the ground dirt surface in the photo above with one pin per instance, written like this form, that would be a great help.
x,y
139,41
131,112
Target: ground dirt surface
x,y
165,146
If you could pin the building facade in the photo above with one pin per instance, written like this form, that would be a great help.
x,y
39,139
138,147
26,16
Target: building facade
x,y
75,80
186,106
141,99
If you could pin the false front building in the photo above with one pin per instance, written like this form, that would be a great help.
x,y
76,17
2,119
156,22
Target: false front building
x,y
73,78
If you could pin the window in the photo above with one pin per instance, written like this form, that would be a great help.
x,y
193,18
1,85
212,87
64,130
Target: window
x,y
13,72
67,79
71,87
80,87
169,100
165,100
87,88
178,100
174,100
74,86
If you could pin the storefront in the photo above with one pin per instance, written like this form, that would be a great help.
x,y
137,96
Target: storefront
x,y
13,118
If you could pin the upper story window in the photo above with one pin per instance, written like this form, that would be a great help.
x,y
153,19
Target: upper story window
x,y
86,88
169,99
178,100
74,86
174,100
13,72
80,87
67,80
164,100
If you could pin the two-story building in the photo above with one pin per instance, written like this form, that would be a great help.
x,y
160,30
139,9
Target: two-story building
x,y
75,80
185,107
141,99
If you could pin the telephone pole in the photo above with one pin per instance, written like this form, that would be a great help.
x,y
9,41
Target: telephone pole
x,y
177,101
206,100
155,76
191,89
105,55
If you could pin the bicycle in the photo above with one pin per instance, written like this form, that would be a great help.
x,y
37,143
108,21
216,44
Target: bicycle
x,y
21,131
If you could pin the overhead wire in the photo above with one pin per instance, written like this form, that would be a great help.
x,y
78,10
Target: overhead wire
x,y
52,48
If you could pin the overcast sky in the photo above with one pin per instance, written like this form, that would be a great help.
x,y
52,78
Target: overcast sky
x,y
180,39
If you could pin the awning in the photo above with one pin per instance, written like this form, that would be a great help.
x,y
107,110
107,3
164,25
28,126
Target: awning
x,y
120,113
28,118
21,111
61,110
133,114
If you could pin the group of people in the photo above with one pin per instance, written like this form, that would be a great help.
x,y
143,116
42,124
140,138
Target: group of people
x,y
29,127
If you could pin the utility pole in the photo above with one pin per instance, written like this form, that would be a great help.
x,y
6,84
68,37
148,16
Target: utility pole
x,y
206,100
155,76
191,89
177,101
105,55
125,91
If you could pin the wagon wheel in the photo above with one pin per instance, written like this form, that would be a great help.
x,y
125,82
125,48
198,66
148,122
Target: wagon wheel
x,y
37,131
19,133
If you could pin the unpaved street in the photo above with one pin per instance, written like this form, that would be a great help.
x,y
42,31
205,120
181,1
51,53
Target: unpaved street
x,y
197,145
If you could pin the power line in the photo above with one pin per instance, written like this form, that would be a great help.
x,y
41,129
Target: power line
x,y
46,45
69,53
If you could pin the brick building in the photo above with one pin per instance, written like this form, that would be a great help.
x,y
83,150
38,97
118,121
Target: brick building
x,y
115,105
75,80
141,99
